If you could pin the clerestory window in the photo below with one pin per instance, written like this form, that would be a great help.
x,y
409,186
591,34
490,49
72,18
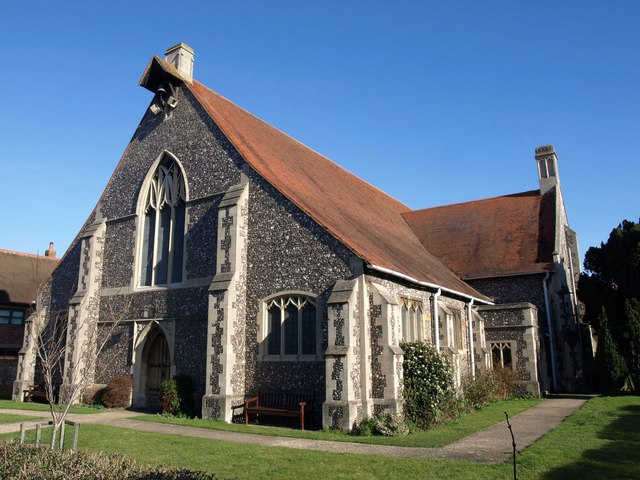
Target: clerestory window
x,y
291,326
163,220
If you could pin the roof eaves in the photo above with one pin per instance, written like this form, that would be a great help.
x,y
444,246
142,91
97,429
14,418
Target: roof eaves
x,y
543,269
480,299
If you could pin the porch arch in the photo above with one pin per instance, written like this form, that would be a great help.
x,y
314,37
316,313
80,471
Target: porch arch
x,y
153,362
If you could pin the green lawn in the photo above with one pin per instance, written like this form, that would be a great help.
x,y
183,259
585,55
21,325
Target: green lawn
x,y
601,440
43,407
8,418
434,437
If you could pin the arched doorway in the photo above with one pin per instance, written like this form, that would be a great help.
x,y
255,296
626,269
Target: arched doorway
x,y
157,366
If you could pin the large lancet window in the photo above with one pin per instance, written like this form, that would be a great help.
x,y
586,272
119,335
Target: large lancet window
x,y
163,226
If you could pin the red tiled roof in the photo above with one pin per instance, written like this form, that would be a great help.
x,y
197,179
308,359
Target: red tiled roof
x,y
362,217
21,274
492,237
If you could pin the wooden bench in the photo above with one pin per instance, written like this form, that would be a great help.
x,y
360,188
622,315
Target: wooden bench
x,y
36,392
279,404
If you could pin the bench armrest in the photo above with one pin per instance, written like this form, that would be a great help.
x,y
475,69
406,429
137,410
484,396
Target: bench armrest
x,y
250,400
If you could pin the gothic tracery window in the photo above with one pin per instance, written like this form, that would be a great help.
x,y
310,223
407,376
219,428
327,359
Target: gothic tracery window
x,y
412,320
291,326
501,355
163,226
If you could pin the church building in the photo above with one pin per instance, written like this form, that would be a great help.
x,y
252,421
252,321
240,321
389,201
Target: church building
x,y
227,251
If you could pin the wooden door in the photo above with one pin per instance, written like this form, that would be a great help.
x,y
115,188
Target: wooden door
x,y
158,368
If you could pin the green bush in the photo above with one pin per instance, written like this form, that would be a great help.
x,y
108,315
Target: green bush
x,y
176,396
118,392
169,398
489,386
383,424
26,462
429,391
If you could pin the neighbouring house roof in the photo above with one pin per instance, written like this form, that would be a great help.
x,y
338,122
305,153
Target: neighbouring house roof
x,y
21,275
362,217
508,235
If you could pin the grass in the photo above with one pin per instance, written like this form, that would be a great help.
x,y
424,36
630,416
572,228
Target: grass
x,y
44,407
434,437
599,441
9,418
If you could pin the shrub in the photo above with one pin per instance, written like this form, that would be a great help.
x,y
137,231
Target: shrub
x,y
176,396
94,395
118,392
489,386
429,391
26,462
383,424
169,399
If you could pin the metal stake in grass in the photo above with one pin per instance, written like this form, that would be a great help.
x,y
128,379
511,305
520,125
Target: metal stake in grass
x,y
513,442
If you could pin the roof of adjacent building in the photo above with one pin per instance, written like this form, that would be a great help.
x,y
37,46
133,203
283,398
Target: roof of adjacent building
x,y
508,235
21,274
365,219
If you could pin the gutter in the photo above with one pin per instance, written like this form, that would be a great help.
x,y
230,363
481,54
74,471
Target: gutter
x,y
550,332
433,286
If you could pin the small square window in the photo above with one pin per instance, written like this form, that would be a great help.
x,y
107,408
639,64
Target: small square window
x,y
11,316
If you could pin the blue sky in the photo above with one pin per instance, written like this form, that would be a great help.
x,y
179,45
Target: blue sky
x,y
433,102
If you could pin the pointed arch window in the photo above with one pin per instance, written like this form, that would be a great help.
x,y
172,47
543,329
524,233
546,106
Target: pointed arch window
x,y
163,226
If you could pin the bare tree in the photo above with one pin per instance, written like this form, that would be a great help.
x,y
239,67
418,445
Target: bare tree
x,y
67,353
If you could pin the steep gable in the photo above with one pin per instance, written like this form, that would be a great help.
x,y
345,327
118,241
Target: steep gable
x,y
506,235
365,219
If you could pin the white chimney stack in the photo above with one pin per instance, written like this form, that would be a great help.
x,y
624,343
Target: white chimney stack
x,y
181,56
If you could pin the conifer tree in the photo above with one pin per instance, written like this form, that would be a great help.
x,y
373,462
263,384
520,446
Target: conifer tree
x,y
611,283
611,369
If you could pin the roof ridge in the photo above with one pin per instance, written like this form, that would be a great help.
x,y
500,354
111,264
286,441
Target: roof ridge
x,y
520,194
14,252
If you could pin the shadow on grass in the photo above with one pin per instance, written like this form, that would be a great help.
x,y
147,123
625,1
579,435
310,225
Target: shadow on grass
x,y
618,459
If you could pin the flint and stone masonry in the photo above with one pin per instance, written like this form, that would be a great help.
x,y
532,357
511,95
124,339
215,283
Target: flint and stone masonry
x,y
231,243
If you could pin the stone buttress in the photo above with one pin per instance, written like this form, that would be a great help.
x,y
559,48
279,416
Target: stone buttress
x,y
363,360
386,355
226,349
82,326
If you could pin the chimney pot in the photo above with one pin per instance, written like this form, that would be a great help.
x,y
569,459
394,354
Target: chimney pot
x,y
181,56
50,252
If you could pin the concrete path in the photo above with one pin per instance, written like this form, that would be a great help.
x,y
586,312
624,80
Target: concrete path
x,y
490,445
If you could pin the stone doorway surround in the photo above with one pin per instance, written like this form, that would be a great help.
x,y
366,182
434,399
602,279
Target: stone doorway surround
x,y
153,360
